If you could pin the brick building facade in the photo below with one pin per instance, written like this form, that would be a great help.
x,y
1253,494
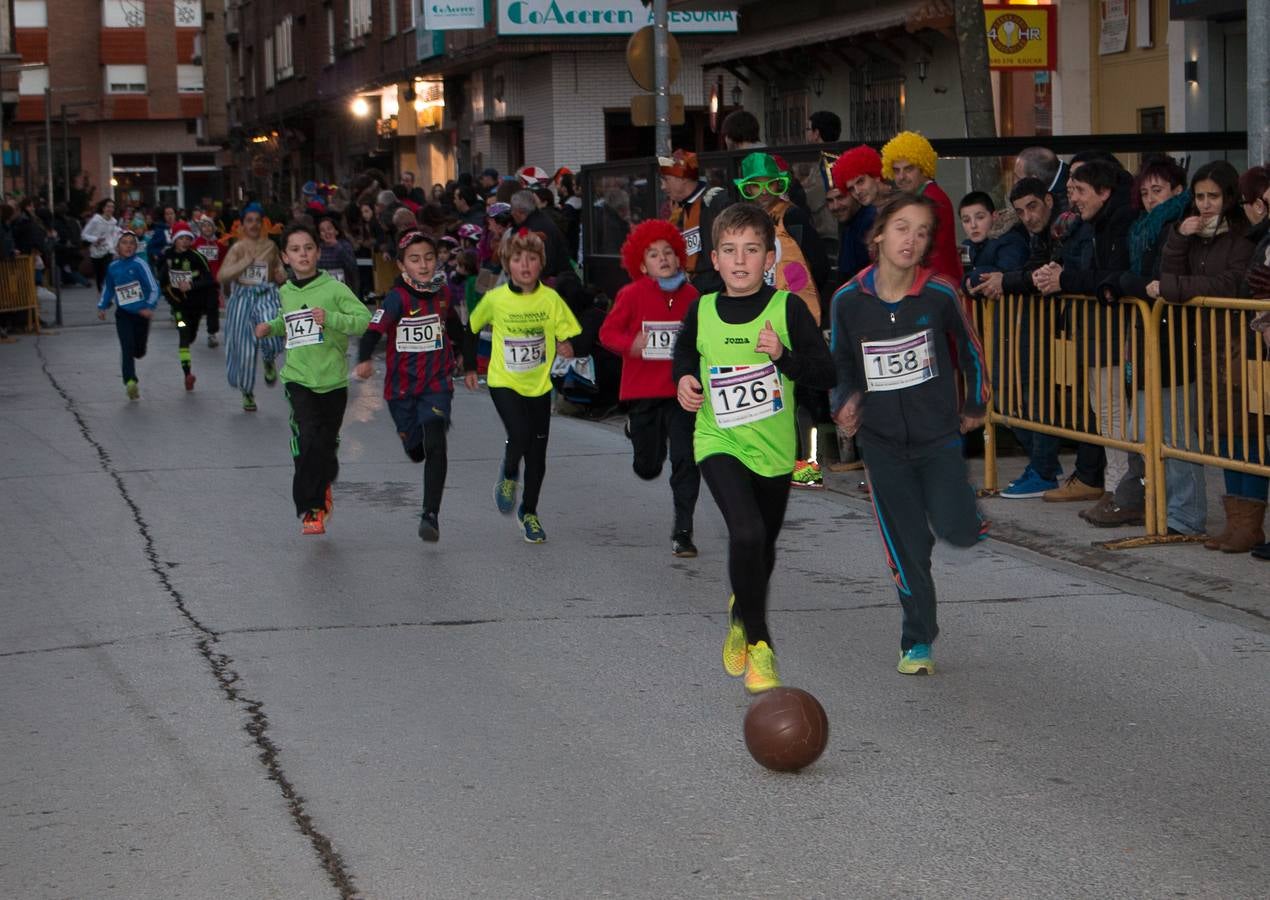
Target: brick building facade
x,y
124,81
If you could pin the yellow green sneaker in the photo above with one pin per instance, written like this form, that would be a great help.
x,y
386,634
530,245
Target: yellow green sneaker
x,y
734,645
807,474
760,668
916,660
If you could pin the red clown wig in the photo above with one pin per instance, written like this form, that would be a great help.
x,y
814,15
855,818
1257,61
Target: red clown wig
x,y
643,236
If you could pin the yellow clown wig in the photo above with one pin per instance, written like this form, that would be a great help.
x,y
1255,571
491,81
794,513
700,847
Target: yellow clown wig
x,y
913,147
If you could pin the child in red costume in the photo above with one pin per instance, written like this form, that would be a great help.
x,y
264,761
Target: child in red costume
x,y
642,328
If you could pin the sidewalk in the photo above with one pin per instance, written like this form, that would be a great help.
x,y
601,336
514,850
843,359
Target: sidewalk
x,y
1231,587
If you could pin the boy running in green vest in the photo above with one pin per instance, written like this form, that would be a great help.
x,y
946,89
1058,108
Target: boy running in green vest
x,y
737,359
318,316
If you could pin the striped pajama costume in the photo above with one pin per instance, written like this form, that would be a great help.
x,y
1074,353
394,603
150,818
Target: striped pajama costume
x,y
247,307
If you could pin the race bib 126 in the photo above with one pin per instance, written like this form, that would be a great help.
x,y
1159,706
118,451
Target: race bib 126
x,y
419,334
899,363
741,394
301,329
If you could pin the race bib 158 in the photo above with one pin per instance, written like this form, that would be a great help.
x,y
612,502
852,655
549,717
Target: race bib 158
x,y
899,363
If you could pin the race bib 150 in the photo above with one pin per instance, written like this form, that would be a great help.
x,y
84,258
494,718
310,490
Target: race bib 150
x,y
419,334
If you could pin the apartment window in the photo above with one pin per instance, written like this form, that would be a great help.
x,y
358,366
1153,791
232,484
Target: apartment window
x,y
125,79
414,13
123,13
30,14
33,81
188,14
392,18
189,79
330,34
269,63
282,49
358,18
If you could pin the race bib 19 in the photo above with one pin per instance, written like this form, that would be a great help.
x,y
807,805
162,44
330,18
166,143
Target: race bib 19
x,y
180,279
419,334
661,339
899,363
741,394
524,354
128,293
301,329
254,275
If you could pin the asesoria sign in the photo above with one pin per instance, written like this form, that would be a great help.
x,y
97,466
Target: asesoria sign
x,y
583,17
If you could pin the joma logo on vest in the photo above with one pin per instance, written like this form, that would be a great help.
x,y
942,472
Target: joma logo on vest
x,y
734,340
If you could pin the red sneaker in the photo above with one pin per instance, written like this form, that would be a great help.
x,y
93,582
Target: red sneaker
x,y
330,502
314,522
189,381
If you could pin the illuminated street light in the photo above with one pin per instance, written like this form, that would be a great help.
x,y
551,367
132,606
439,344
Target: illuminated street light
x,y
361,108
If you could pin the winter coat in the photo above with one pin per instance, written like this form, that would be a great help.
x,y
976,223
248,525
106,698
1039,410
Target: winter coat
x,y
1004,250
1196,266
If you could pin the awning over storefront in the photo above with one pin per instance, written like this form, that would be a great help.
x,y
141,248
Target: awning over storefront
x,y
816,31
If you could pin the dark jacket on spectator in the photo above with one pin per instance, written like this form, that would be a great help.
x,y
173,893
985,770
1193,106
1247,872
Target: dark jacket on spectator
x,y
1094,253
557,248
1040,250
1004,250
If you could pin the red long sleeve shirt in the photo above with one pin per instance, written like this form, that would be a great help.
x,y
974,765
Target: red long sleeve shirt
x,y
647,374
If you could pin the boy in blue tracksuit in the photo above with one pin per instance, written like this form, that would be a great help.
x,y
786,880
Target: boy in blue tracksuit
x,y
130,286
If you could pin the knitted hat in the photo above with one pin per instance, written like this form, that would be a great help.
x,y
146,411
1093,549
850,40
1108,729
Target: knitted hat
x,y
913,147
857,161
644,235
180,230
681,164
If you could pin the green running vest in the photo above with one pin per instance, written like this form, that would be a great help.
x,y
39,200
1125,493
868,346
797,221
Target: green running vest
x,y
748,412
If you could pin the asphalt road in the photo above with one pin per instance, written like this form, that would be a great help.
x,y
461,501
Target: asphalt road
x,y
198,702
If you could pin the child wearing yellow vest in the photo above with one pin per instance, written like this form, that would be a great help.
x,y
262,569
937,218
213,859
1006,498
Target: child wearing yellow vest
x,y
738,357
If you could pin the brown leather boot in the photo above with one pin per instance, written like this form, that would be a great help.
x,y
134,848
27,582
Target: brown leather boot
x,y
1247,519
1214,541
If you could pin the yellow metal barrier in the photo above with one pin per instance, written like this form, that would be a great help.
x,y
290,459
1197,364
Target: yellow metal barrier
x,y
17,289
1187,382
1208,345
1059,367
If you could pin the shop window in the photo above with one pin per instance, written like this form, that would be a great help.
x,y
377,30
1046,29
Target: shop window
x,y
30,14
189,79
123,13
787,119
33,81
188,13
125,79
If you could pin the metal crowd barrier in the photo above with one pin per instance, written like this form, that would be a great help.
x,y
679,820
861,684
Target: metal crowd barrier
x,y
17,290
1168,381
1207,343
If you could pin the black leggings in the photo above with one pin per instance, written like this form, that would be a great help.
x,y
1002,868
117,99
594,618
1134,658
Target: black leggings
x,y
527,421
100,265
433,450
753,508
